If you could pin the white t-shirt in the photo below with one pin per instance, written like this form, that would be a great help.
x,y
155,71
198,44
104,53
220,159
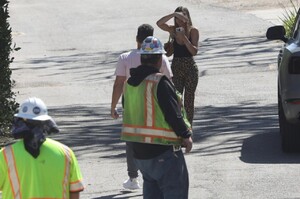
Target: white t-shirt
x,y
132,59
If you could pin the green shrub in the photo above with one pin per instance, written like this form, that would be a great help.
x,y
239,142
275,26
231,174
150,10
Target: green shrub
x,y
8,105
289,17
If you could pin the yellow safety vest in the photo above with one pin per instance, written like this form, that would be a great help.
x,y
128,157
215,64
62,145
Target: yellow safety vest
x,y
143,120
53,174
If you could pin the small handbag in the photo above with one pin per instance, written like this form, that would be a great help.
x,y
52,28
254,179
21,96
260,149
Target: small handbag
x,y
168,46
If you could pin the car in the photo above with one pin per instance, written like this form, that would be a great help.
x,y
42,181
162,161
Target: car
x,y
288,85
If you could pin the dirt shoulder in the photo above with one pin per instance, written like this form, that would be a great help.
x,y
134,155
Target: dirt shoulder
x,y
246,4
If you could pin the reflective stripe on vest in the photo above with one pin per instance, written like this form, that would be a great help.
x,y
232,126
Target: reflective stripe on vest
x,y
151,81
149,132
14,178
68,158
150,135
76,186
149,104
12,172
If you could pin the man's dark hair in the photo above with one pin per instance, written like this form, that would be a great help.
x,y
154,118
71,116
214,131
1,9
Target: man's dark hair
x,y
151,59
144,31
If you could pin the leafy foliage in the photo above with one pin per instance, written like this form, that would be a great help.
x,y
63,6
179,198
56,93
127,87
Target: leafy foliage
x,y
8,105
289,17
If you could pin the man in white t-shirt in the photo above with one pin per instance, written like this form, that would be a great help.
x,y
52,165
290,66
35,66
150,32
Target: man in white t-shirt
x,y
127,61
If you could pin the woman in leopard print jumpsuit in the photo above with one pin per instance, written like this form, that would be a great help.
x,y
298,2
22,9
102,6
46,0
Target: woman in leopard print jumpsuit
x,y
185,70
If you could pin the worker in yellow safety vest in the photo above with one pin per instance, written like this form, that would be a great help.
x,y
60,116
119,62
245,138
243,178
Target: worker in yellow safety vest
x,y
155,123
35,166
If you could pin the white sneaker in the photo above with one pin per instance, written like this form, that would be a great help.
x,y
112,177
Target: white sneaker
x,y
131,183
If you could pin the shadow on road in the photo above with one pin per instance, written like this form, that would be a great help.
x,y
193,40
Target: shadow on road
x,y
88,129
78,67
231,52
121,195
240,121
248,128
266,149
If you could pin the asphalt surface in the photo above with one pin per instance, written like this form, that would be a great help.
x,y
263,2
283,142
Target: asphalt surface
x,y
69,51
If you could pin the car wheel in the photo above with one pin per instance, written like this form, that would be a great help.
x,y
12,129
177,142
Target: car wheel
x,y
290,135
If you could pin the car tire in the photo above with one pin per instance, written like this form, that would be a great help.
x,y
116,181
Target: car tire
x,y
290,133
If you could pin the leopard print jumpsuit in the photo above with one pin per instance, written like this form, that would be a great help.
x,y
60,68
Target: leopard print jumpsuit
x,y
185,77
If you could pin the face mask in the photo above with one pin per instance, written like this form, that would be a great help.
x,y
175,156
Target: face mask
x,y
20,128
33,133
34,140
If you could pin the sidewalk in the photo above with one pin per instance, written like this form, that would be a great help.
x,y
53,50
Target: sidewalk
x,y
270,15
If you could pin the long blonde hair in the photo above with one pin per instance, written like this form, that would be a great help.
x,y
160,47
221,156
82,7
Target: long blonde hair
x,y
186,11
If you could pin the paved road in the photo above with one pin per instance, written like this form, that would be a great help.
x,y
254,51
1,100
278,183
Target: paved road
x,y
69,51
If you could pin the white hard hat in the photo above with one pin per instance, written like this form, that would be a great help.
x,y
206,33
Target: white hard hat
x,y
152,45
33,108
